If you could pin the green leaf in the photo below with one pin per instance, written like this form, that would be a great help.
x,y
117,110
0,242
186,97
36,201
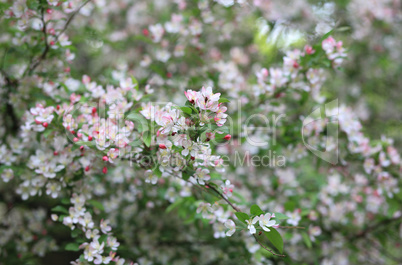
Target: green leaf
x,y
306,239
326,35
65,201
103,238
341,29
157,171
174,205
97,204
280,216
72,247
135,82
140,122
186,110
88,143
275,238
242,216
75,233
255,210
187,174
146,137
223,100
60,209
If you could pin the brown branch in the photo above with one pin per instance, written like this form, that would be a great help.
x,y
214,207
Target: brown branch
x,y
46,50
223,197
237,210
70,19
47,47
369,229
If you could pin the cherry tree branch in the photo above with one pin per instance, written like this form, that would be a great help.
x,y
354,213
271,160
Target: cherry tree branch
x,y
71,18
237,210
223,197
46,50
47,47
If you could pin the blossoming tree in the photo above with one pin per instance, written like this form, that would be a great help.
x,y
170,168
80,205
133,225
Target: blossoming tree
x,y
192,132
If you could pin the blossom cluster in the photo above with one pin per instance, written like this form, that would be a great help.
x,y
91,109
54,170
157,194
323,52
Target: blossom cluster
x,y
87,147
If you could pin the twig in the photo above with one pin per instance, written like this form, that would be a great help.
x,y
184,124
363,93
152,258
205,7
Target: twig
x,y
70,19
237,210
46,50
223,197
369,229
47,47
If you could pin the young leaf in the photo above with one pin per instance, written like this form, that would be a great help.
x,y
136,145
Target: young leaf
x,y
146,137
140,122
275,239
223,100
174,205
306,239
242,216
186,110
72,247
135,82
60,209
96,204
255,210
281,216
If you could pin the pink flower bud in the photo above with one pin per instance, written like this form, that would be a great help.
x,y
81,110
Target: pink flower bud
x,y
45,124
227,137
162,146
104,170
105,158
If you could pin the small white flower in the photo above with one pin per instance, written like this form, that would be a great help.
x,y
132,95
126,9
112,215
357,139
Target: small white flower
x,y
104,226
231,226
7,175
250,224
150,177
265,222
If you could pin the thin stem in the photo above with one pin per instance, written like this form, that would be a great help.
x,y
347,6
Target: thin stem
x,y
237,210
223,197
70,19
46,50
47,47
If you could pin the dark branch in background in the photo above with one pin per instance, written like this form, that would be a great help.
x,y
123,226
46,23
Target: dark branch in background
x,y
11,123
70,19
223,197
46,50
237,210
372,228
33,66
